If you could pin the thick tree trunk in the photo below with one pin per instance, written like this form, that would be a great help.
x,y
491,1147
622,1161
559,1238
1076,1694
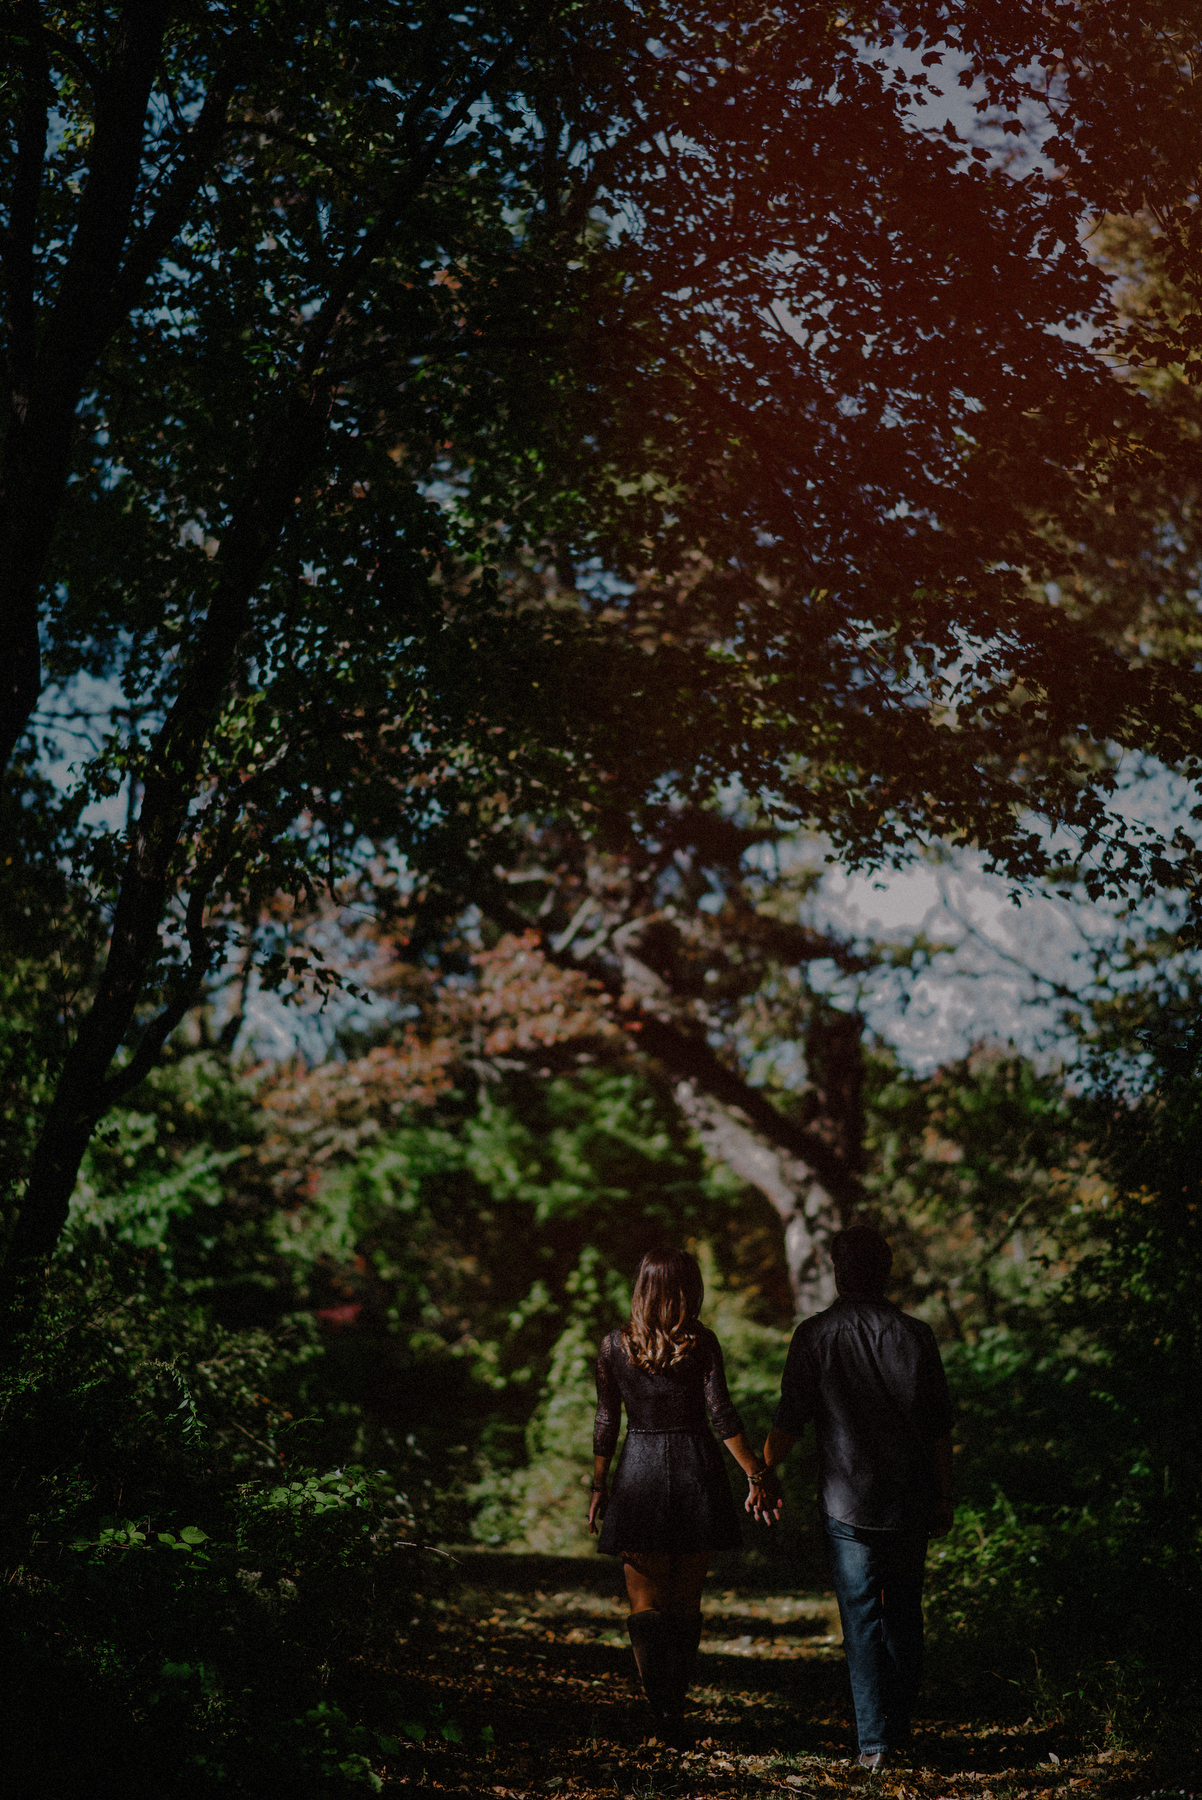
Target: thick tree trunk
x,y
47,377
809,1213
169,785
106,270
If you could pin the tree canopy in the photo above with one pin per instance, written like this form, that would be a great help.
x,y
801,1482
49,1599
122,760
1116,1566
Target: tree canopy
x,y
422,421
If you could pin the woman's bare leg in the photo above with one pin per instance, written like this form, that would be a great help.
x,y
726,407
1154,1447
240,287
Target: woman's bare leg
x,y
670,1584
648,1580
686,1578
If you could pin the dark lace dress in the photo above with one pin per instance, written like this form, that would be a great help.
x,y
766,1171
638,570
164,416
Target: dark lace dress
x,y
670,1491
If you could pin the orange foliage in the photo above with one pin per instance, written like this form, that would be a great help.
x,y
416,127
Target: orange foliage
x,y
530,1004
521,1004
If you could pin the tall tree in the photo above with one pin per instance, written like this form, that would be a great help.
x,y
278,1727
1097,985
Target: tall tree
x,y
747,384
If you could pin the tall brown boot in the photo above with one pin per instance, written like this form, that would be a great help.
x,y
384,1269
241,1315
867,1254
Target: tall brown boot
x,y
686,1641
651,1639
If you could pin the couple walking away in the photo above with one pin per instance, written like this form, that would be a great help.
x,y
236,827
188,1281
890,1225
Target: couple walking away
x,y
871,1379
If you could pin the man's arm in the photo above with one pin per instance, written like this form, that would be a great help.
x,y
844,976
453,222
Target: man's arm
x,y
944,1510
796,1408
777,1445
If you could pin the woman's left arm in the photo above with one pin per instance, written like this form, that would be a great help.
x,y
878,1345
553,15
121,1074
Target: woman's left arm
x,y
723,1412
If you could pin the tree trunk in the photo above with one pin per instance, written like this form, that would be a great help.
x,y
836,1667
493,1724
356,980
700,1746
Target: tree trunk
x,y
169,785
809,1213
48,369
812,1206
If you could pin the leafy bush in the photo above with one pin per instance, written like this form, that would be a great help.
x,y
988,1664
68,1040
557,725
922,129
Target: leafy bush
x,y
1066,1615
184,1595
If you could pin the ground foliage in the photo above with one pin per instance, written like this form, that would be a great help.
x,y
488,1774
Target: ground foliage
x,y
178,1574
512,1679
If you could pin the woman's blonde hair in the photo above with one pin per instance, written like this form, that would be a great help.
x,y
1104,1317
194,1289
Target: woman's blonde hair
x,y
663,1328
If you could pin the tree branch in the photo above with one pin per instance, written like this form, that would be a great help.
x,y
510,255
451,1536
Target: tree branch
x,y
84,305
187,987
37,446
686,1054
78,59
356,262
162,227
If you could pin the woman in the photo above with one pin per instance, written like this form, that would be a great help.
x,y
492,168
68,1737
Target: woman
x,y
671,1505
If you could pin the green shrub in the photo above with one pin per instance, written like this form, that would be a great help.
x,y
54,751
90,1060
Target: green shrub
x,y
1064,1614
184,1595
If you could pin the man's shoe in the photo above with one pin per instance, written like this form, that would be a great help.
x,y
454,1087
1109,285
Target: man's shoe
x,y
873,1759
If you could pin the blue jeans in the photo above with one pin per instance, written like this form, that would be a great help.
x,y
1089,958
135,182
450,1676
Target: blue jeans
x,y
878,1584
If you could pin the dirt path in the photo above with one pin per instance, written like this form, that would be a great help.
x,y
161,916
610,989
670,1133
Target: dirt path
x,y
526,1689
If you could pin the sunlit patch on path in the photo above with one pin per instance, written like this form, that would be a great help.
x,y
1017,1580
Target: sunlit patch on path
x,y
524,1691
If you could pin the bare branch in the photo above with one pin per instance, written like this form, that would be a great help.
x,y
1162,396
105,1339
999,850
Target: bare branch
x,y
186,989
79,60
199,150
355,263
687,1054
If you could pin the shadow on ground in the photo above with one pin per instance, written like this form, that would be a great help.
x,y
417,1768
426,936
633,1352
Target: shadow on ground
x,y
525,1687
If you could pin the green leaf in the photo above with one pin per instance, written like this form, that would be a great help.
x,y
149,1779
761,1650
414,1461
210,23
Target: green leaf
x,y
415,1731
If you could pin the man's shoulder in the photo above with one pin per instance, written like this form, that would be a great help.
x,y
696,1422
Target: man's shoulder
x,y
877,1317
819,1325
905,1325
919,1333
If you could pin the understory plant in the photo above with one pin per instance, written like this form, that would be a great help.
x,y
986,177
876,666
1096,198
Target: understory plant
x,y
185,1592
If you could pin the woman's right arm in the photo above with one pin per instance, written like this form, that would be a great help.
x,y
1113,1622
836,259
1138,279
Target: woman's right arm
x,y
598,1498
605,1432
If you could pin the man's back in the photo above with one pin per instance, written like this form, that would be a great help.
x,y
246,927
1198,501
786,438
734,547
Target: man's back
x,y
871,1377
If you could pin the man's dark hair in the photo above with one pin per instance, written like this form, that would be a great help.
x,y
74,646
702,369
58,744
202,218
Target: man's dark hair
x,y
862,1261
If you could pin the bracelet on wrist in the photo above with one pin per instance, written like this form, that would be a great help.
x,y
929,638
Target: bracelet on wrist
x,y
596,1487
757,1480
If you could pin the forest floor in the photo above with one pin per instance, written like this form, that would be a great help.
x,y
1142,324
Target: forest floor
x,y
526,1688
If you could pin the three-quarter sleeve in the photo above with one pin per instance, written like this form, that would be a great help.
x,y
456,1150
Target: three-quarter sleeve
x,y
609,1402
722,1410
798,1389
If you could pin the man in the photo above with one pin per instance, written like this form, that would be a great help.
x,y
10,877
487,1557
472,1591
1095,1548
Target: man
x,y
871,1378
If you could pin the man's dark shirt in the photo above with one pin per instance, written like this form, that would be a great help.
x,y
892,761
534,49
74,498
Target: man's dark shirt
x,y
871,1377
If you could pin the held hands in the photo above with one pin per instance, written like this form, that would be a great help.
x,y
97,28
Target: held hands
x,y
765,1501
